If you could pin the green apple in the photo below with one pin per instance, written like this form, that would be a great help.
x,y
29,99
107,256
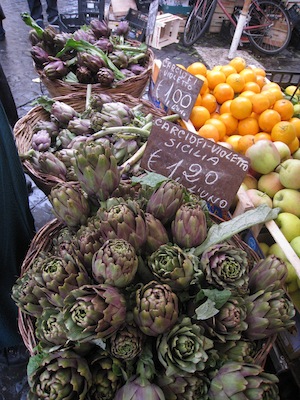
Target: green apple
x,y
284,150
289,225
296,110
295,244
270,183
250,181
296,154
264,248
289,173
264,156
292,286
288,200
258,197
276,249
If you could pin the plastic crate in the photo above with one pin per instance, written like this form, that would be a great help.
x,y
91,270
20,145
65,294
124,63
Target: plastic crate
x,y
91,8
284,78
143,5
137,24
70,22
87,10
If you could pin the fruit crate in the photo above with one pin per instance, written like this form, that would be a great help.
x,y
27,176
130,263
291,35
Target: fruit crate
x,y
284,78
86,11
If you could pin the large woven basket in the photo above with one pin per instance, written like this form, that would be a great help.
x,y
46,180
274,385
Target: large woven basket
x,y
23,129
43,242
135,86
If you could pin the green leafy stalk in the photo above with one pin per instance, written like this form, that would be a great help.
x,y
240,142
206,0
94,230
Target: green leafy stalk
x,y
31,22
82,45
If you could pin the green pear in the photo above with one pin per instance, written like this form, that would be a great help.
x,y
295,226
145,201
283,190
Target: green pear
x,y
289,173
289,225
264,248
288,200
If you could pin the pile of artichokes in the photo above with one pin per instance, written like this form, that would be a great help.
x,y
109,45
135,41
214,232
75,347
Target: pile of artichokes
x,y
92,54
105,120
125,306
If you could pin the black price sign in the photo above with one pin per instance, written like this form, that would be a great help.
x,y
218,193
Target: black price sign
x,y
204,167
177,89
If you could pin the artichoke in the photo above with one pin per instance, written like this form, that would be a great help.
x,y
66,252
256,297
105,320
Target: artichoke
x,y
115,263
156,309
60,375
70,204
165,201
91,61
50,328
80,126
122,29
93,312
105,77
106,376
55,69
97,170
41,140
63,113
119,58
63,139
157,234
189,228
104,44
100,28
51,165
267,274
189,387
84,75
226,267
236,380
98,99
125,221
239,351
49,126
123,149
39,56
183,349
268,312
126,344
139,389
172,265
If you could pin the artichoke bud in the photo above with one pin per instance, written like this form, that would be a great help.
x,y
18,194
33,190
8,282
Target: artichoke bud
x,y
115,263
70,205
80,126
84,34
157,234
127,73
76,142
51,165
61,39
34,38
119,58
137,69
156,309
41,140
104,44
49,126
138,388
55,69
124,149
98,99
50,328
166,200
91,61
105,77
64,138
122,29
100,28
84,75
267,274
49,35
66,156
62,112
126,344
39,55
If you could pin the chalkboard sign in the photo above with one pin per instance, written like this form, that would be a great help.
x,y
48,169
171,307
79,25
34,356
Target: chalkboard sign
x,y
177,89
204,167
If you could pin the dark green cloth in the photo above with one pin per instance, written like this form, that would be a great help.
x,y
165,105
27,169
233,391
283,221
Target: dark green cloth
x,y
16,229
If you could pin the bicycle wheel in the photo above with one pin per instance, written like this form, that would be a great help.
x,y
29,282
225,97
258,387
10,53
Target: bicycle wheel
x,y
276,33
198,21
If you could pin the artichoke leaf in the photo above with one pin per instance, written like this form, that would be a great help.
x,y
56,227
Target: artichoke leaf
x,y
206,310
221,232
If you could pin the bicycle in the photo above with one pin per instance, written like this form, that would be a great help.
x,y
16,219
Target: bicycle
x,y
268,26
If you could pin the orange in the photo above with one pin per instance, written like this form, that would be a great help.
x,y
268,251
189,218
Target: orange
x,y
219,125
209,131
205,83
247,93
259,71
294,146
225,107
269,85
238,63
248,74
198,116
262,136
261,81
214,77
181,66
268,119
296,122
284,132
210,102
233,140
198,101
253,86
270,95
285,109
230,122
248,126
197,68
278,93
260,103
244,143
223,92
241,107
228,69
236,81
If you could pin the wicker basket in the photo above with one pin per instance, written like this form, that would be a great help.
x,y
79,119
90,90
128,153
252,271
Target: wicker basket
x,y
23,130
43,242
134,86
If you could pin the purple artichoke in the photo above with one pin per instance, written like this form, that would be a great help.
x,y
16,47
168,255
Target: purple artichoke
x,y
139,389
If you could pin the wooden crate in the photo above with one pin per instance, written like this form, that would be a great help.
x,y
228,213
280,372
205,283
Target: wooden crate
x,y
219,16
165,31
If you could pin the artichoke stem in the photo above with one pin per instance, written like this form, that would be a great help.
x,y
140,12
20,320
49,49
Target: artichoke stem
x,y
133,159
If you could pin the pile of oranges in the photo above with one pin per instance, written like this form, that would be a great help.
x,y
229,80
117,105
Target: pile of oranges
x,y
237,106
